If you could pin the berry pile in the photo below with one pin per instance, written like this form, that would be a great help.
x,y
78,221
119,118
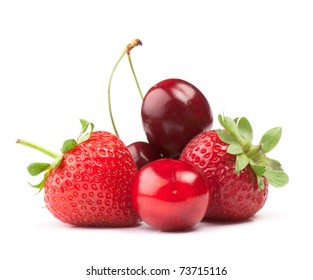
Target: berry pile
x,y
184,173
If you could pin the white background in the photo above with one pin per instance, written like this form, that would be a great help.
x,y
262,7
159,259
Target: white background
x,y
250,58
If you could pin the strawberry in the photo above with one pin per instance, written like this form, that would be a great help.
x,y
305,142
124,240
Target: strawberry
x,y
237,171
89,183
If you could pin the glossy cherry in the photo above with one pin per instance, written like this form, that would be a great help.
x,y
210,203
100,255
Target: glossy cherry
x,y
173,112
142,153
170,195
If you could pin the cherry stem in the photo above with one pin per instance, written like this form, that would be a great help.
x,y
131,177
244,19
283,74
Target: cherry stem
x,y
38,148
109,92
129,47
133,71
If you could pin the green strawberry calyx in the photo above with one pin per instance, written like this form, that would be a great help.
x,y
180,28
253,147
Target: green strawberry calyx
x,y
37,168
238,134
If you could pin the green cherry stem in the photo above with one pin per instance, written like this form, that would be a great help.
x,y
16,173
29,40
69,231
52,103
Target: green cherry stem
x,y
109,92
129,47
38,148
134,74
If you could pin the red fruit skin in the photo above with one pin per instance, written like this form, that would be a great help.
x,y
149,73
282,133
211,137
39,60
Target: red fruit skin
x,y
170,195
235,196
91,186
142,153
173,112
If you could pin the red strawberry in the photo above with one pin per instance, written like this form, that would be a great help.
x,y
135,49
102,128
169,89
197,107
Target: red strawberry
x,y
237,171
89,184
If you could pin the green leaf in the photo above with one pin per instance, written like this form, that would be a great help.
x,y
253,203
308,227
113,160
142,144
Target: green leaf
x,y
41,185
274,164
68,145
231,125
276,178
260,183
238,134
226,137
245,129
234,149
83,137
259,170
36,168
37,186
84,125
270,139
57,162
220,119
241,162
228,123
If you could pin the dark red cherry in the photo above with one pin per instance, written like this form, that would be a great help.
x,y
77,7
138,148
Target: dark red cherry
x,y
142,153
173,112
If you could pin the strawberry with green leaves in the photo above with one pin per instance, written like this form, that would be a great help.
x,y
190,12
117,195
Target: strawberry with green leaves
x,y
88,184
237,171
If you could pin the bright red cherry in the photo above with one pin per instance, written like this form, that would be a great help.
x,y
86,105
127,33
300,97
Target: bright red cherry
x,y
142,153
173,112
170,195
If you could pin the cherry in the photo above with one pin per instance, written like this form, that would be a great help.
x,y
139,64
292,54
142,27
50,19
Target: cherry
x,y
170,195
142,153
173,112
